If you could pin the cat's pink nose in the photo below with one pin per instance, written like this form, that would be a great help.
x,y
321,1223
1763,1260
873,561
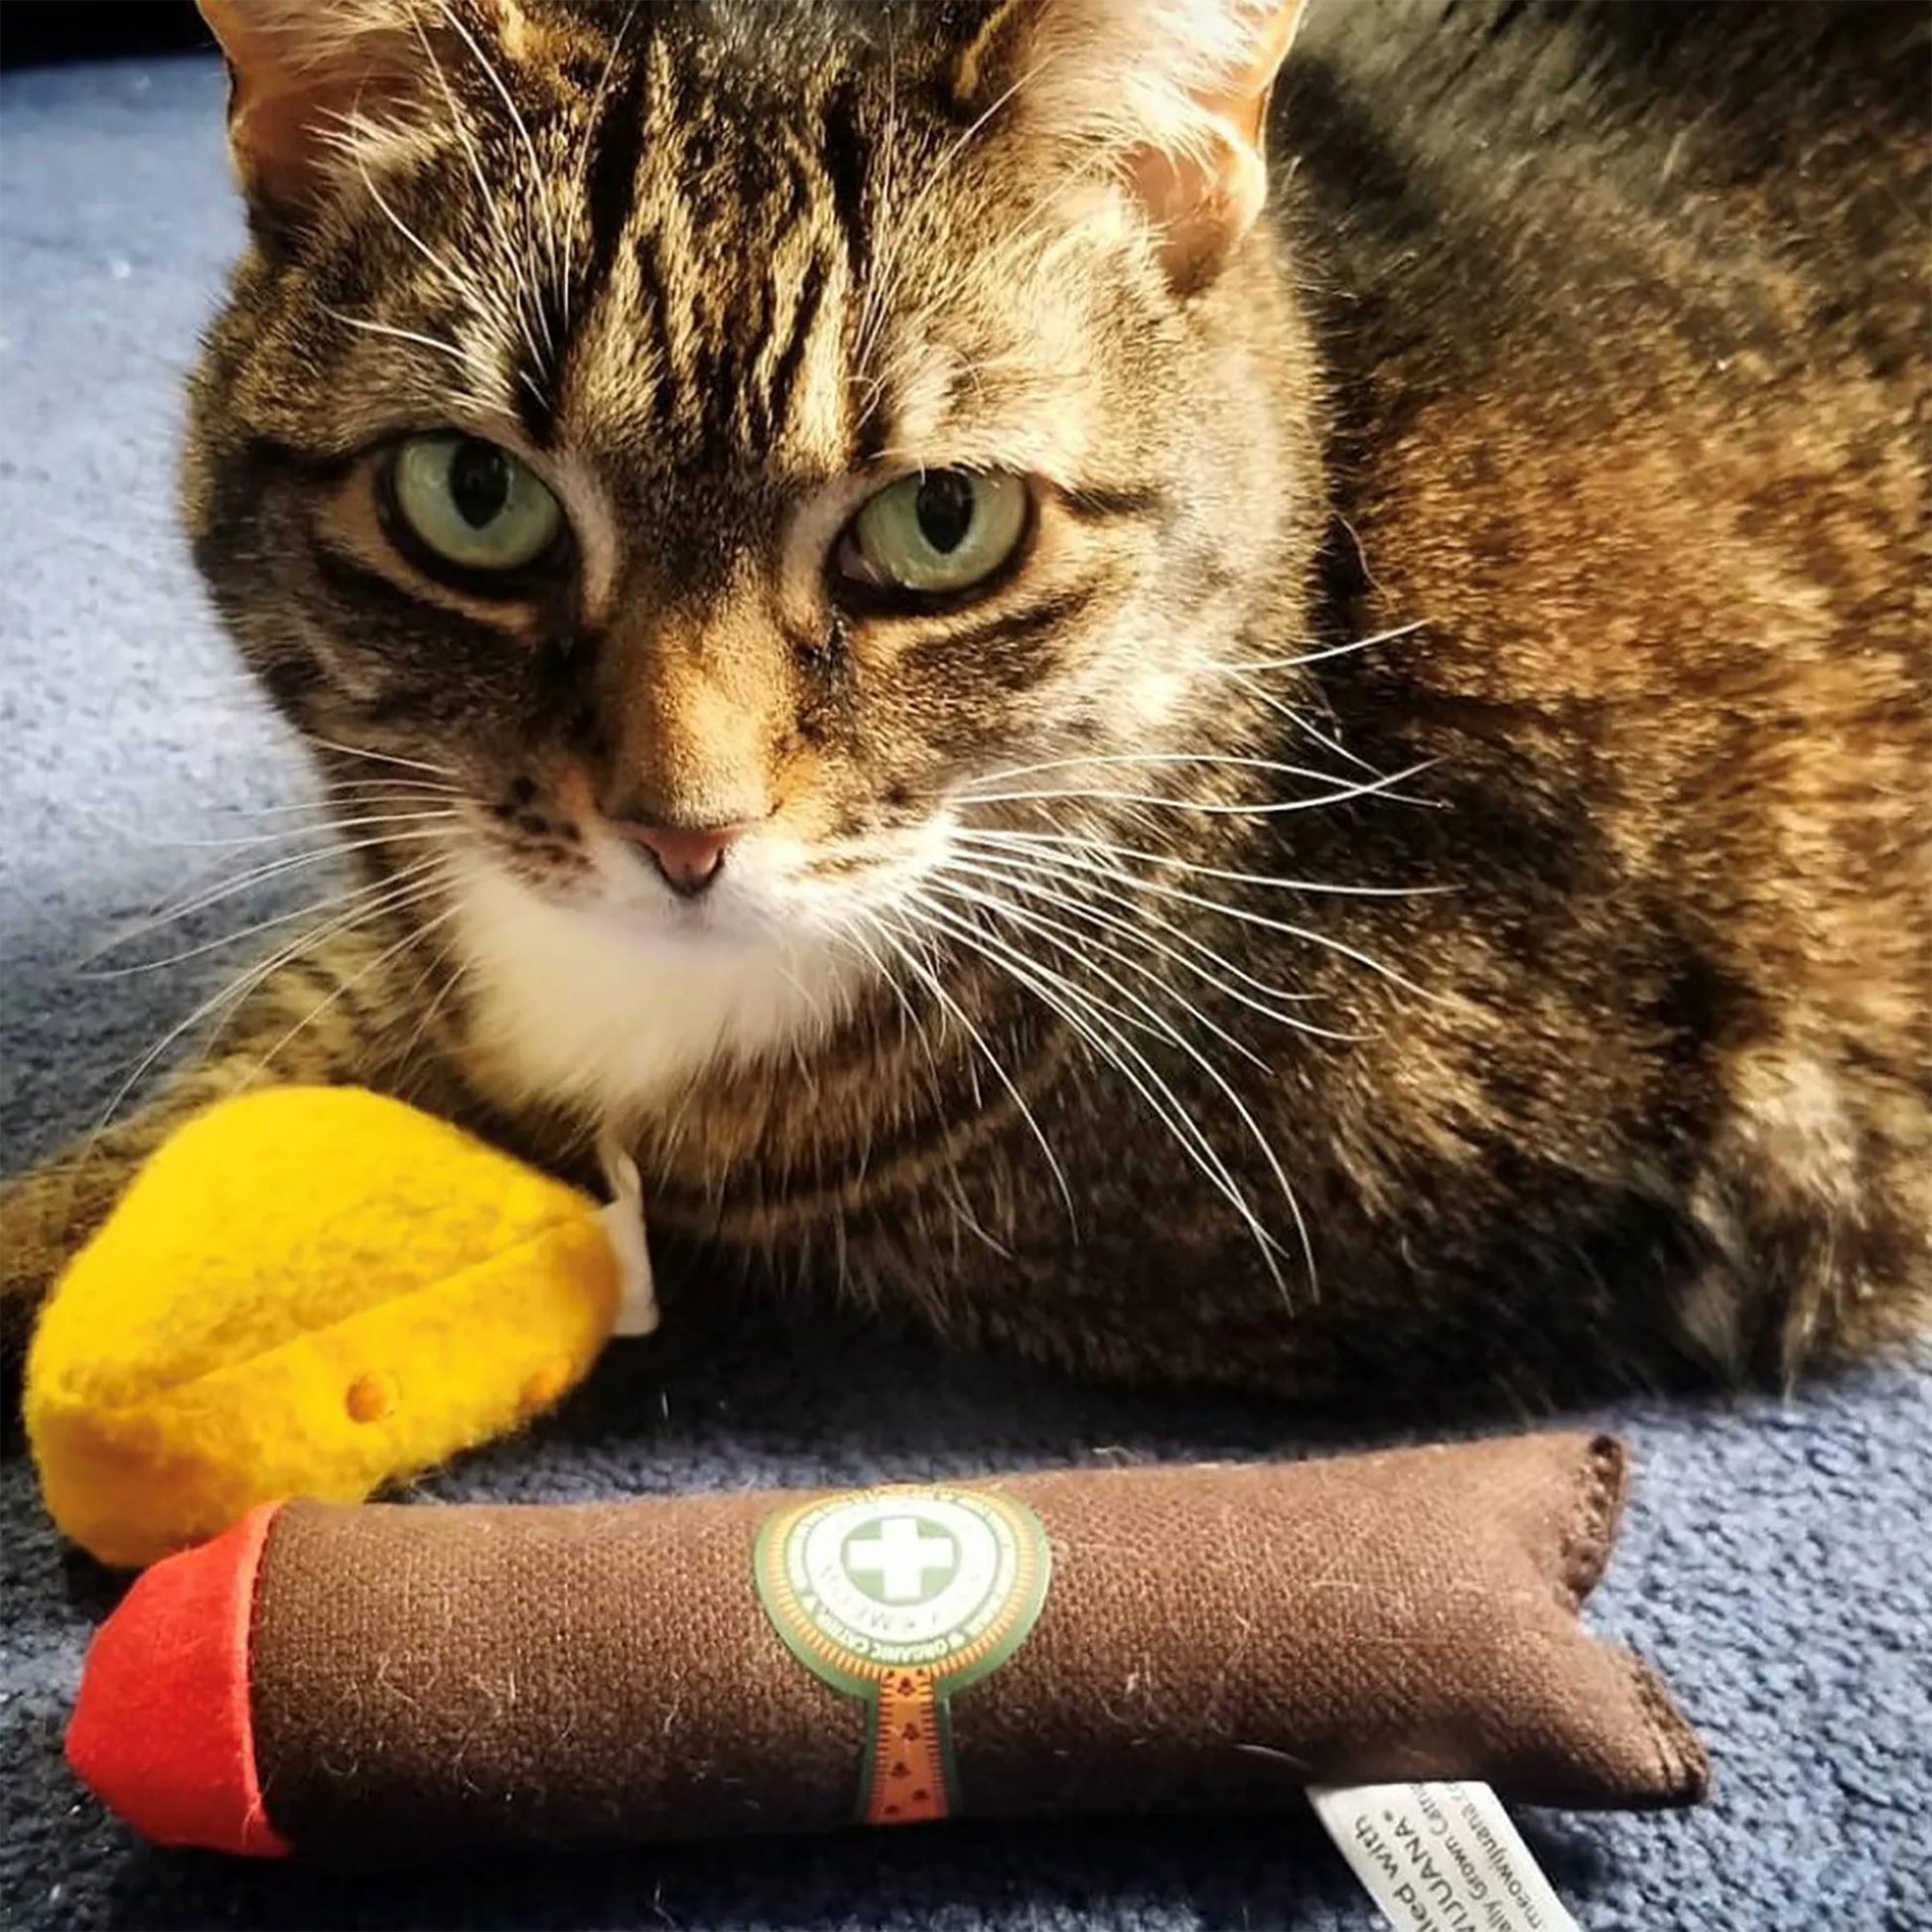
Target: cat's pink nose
x,y
688,858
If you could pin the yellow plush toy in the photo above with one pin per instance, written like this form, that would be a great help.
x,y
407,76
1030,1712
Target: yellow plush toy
x,y
312,1291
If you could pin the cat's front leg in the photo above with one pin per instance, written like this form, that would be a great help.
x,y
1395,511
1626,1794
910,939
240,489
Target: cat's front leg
x,y
325,1019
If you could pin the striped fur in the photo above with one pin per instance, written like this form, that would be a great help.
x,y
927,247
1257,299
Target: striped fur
x,y
1418,872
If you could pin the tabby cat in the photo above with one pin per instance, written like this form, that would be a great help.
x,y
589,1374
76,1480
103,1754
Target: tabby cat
x,y
1215,688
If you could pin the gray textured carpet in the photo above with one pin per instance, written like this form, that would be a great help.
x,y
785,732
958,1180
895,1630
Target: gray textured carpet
x,y
1775,1561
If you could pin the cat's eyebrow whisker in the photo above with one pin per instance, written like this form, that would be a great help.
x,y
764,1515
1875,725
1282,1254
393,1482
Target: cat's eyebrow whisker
x,y
873,307
1075,843
935,985
1320,656
1071,944
506,246
475,394
576,199
440,343
349,139
539,178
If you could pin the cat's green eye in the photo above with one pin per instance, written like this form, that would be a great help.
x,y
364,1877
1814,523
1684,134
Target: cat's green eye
x,y
474,505
937,533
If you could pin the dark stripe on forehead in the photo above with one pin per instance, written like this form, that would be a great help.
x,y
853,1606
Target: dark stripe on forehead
x,y
654,301
792,358
845,152
616,151
533,384
612,152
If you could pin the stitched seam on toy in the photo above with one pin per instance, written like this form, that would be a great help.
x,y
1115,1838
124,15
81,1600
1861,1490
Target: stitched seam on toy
x,y
1584,1553
258,1828
137,1404
1686,1764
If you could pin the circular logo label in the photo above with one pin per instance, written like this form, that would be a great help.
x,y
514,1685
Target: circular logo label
x,y
902,1596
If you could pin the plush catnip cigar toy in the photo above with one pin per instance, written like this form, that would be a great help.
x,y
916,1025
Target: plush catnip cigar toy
x,y
396,1680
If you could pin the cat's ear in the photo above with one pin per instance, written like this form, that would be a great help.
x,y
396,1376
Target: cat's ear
x,y
298,71
1174,93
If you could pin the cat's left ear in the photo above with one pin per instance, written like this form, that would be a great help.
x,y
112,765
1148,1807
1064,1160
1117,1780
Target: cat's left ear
x,y
298,68
1174,93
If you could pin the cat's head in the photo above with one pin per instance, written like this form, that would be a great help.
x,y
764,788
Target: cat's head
x,y
715,440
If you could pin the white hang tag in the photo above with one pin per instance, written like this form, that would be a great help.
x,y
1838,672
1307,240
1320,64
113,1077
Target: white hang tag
x,y
1440,1857
623,1222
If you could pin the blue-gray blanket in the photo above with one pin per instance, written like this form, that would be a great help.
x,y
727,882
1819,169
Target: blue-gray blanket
x,y
1775,1559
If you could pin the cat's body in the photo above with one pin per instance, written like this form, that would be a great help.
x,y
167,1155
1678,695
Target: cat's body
x,y
1585,369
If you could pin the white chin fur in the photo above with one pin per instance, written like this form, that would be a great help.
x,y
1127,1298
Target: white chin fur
x,y
611,1006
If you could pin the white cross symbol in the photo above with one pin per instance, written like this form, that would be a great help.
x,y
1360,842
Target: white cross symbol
x,y
899,1555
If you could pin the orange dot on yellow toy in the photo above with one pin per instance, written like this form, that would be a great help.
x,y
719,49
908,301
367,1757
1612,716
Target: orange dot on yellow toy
x,y
309,1291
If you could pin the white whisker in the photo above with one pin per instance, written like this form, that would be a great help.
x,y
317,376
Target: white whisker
x,y
1082,949
321,1005
1300,721
1204,760
1093,1020
1028,878
457,354
232,996
936,987
1264,808
1077,842
325,829
361,896
1285,927
1323,655
382,758
1071,944
539,177
506,248
289,863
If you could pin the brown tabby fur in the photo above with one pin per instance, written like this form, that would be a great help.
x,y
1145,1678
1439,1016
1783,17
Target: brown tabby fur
x,y
1590,341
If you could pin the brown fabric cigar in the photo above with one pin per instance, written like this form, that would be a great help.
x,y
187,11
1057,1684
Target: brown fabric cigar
x,y
399,1679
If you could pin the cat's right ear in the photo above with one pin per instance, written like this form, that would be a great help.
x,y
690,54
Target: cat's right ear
x,y
1171,95
301,74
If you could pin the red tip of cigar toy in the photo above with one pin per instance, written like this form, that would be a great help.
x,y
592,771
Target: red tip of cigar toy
x,y
162,1733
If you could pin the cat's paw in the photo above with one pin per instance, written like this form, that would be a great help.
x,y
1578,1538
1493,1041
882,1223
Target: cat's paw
x,y
46,1217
